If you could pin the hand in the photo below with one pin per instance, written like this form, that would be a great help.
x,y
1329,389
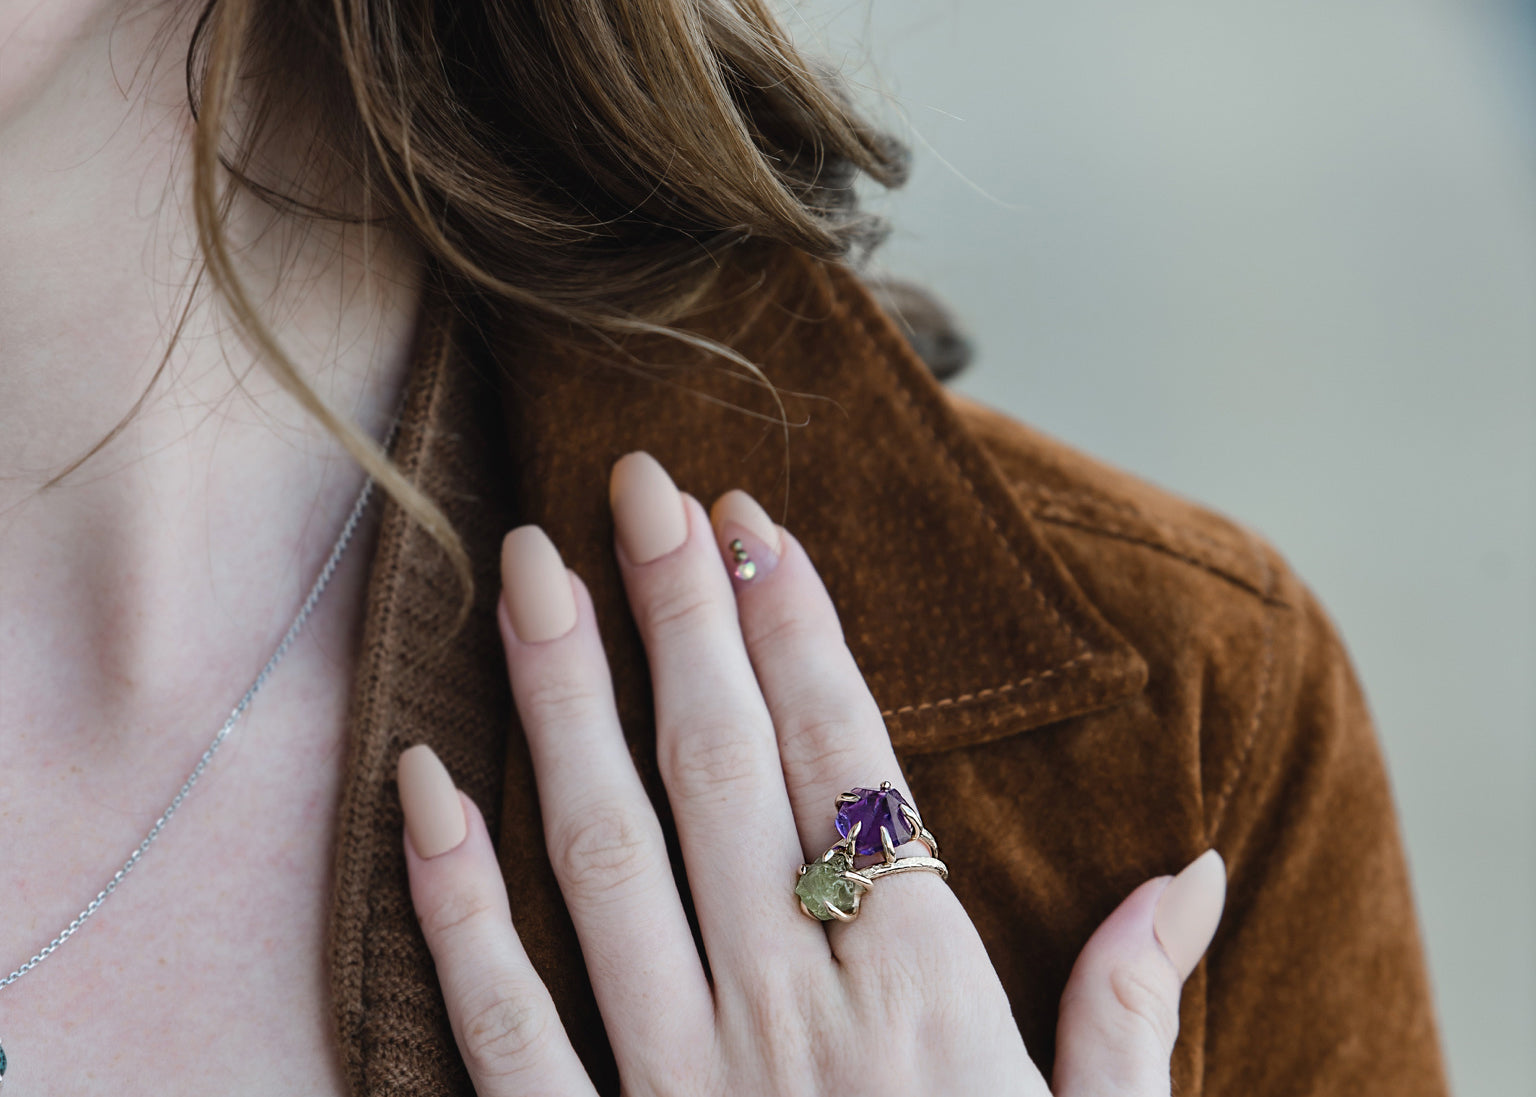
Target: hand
x,y
762,720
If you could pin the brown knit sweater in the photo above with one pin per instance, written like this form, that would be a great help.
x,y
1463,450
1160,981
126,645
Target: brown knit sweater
x,y
1088,682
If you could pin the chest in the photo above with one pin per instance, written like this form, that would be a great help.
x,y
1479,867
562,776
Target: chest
x,y
205,971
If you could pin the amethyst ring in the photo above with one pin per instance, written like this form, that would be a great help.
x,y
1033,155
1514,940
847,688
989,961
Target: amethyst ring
x,y
871,821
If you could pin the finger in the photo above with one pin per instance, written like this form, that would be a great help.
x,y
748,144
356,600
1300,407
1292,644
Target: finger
x,y
831,735
1120,1010
714,737
503,1018
604,840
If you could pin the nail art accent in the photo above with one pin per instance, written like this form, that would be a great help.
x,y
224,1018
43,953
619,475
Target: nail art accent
x,y
747,536
745,569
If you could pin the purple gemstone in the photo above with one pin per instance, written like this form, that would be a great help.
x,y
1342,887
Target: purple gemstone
x,y
875,808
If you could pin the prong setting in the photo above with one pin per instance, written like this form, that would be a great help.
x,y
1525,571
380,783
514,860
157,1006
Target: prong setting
x,y
835,888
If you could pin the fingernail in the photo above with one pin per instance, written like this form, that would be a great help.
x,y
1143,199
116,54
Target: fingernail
x,y
434,817
748,537
538,590
647,507
1189,909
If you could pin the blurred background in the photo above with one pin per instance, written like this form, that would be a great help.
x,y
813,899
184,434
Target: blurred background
x,y
1279,256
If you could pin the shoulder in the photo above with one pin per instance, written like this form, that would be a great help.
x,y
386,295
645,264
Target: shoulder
x,y
1240,654
1251,736
1064,488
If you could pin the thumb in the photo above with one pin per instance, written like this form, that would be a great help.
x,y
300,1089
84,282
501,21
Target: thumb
x,y
1120,1010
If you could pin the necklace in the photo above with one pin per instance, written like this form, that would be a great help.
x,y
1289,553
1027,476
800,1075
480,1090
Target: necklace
x,y
323,580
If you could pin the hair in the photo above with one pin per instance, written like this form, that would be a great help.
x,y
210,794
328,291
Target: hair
x,y
581,164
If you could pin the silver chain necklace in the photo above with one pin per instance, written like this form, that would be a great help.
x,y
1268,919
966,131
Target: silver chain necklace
x,y
323,580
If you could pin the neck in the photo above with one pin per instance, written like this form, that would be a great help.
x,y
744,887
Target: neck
x,y
154,577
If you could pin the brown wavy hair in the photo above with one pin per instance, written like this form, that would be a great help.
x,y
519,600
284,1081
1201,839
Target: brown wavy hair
x,y
586,163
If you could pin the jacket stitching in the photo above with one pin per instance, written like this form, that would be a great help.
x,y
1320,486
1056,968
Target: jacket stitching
x,y
990,691
1179,541
1079,522
1093,499
1261,704
872,337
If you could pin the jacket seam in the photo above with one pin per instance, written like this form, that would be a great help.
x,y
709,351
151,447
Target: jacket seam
x,y
990,691
1095,499
1260,707
1264,593
1262,701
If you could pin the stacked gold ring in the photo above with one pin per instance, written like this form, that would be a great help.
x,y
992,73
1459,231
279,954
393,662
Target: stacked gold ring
x,y
832,888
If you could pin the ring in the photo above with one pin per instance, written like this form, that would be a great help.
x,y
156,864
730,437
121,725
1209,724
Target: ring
x,y
870,821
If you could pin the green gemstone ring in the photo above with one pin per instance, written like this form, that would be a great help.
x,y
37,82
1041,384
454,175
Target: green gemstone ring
x,y
831,887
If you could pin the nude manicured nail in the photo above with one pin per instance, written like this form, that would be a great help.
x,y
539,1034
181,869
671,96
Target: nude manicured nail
x,y
1189,909
754,554
647,507
536,587
434,816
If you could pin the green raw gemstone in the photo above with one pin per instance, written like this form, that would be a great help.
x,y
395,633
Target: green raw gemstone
x,y
821,886
2,1062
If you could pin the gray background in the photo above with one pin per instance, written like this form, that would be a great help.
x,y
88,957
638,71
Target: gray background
x,y
1279,257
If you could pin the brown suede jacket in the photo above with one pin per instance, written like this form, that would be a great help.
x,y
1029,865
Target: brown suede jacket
x,y
1088,681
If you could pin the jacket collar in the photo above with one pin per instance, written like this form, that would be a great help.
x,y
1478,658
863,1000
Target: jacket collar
x,y
965,623
967,626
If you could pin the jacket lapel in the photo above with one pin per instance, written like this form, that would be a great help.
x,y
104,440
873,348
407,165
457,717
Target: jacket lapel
x,y
966,625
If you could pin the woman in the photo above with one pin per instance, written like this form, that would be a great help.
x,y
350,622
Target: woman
x,y
569,258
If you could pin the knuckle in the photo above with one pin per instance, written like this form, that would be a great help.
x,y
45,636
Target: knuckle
x,y
712,761
458,911
783,627
505,1032
1146,1000
561,700
600,851
816,741
677,608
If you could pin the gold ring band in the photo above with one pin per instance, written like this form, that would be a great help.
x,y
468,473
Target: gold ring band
x,y
831,888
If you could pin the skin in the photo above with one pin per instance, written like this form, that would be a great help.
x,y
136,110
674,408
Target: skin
x,y
761,714
139,595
